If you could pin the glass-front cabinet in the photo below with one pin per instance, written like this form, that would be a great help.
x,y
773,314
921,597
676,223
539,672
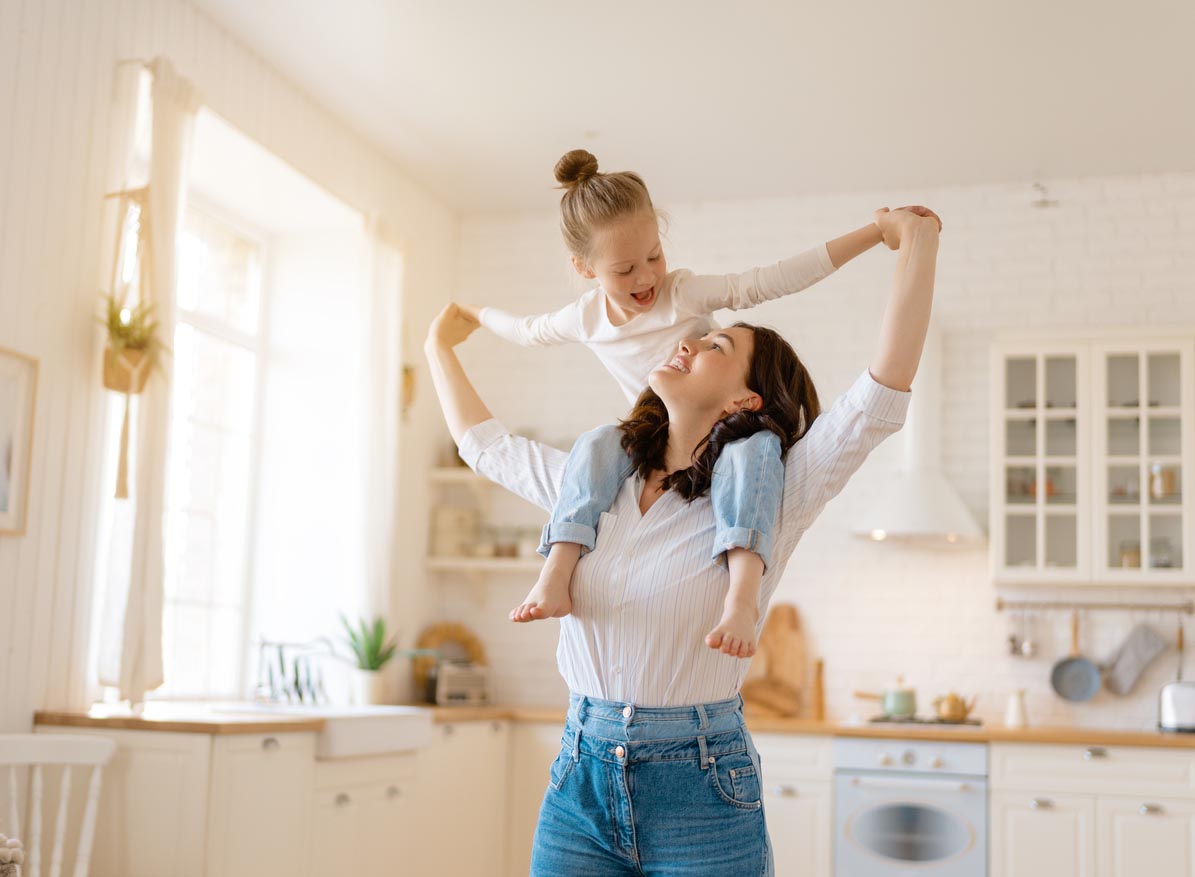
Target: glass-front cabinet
x,y
1092,440
1142,439
1040,511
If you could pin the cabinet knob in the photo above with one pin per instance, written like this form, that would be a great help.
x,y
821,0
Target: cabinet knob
x,y
785,791
448,730
1095,752
393,791
1041,804
270,744
495,727
343,799
1150,809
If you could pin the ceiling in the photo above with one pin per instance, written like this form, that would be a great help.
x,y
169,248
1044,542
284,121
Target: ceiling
x,y
477,99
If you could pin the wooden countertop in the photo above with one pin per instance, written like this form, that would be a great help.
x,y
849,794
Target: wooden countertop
x,y
202,719
189,718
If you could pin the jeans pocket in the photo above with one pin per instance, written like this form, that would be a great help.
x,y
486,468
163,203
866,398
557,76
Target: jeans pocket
x,y
736,780
561,768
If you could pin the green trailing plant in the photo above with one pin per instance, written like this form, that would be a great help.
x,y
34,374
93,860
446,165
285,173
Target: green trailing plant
x,y
369,644
132,328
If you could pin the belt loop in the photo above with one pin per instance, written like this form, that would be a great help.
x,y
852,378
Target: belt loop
x,y
703,757
703,721
577,745
581,710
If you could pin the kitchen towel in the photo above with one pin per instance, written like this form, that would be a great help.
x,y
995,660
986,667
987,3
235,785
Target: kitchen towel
x,y
1126,665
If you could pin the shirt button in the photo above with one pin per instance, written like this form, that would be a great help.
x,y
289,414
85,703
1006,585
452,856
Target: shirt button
x,y
620,752
618,669
626,712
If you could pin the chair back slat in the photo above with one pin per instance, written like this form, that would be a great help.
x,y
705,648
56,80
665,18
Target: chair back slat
x,y
34,846
58,750
13,826
64,795
87,830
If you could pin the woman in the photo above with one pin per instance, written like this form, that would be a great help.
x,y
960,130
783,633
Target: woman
x,y
657,774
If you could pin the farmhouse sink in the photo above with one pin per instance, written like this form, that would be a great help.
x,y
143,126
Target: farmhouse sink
x,y
351,731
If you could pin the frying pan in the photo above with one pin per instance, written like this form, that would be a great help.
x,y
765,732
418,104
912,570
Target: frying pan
x,y
1074,677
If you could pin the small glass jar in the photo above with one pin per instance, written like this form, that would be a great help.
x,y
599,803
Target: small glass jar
x,y
1130,554
1161,553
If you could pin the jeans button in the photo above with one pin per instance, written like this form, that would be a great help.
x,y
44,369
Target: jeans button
x,y
626,712
619,751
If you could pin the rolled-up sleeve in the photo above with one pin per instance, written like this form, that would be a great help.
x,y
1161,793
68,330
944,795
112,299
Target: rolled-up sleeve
x,y
820,464
526,468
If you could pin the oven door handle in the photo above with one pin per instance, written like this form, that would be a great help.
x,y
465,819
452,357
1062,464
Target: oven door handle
x,y
910,784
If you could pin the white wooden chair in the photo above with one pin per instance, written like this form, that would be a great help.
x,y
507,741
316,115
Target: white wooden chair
x,y
35,751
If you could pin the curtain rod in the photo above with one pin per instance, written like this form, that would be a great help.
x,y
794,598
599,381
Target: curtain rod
x,y
1002,604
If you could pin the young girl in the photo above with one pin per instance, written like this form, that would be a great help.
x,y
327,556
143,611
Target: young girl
x,y
633,321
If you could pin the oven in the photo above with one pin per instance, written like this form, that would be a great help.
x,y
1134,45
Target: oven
x,y
910,807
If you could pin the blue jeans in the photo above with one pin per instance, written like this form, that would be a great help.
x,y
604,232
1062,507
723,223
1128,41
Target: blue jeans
x,y
653,792
745,492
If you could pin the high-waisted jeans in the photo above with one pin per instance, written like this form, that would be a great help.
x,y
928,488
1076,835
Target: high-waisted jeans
x,y
653,792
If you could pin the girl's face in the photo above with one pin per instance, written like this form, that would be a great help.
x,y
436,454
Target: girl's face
x,y
629,263
709,374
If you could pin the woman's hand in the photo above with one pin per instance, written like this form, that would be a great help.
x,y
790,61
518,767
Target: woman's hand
x,y
450,327
893,223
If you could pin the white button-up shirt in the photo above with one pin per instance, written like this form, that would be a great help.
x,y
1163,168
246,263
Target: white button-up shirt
x,y
649,592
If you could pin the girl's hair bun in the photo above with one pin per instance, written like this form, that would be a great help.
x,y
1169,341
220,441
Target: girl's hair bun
x,y
575,167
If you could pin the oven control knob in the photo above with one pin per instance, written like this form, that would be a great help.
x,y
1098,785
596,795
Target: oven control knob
x,y
936,762
909,757
886,760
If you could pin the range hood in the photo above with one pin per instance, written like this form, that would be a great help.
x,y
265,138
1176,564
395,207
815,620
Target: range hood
x,y
919,505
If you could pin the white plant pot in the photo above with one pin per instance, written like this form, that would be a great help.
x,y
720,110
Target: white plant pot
x,y
367,687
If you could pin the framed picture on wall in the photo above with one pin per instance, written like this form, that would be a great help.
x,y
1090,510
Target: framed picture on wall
x,y
18,398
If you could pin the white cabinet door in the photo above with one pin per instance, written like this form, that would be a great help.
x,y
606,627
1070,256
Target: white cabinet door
x,y
259,804
1041,836
1143,448
1040,502
462,794
1146,836
533,748
799,815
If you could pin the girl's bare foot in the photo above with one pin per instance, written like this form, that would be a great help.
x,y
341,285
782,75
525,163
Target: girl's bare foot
x,y
735,633
550,598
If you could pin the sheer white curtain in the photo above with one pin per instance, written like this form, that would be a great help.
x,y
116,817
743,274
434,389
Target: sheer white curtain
x,y
130,650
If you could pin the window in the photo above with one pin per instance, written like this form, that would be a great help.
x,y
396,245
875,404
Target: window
x,y
217,356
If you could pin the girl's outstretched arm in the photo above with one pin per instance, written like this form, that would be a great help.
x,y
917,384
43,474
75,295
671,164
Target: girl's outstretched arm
x,y
906,319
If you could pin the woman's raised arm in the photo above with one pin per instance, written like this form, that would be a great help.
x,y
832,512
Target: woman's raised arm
x,y
463,408
902,334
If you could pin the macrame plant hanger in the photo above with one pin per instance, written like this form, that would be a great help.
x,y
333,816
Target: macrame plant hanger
x,y
128,372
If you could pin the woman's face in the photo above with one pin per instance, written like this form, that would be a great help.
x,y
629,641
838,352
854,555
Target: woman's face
x,y
629,263
708,374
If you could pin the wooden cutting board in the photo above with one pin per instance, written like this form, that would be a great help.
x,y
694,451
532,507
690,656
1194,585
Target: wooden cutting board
x,y
775,681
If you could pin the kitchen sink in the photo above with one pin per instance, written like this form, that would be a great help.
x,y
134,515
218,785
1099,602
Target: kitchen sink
x,y
351,731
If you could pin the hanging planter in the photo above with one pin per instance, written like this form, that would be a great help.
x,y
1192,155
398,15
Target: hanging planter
x,y
126,372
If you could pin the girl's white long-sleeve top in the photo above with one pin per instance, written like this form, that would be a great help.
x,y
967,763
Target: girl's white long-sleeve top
x,y
684,303
649,592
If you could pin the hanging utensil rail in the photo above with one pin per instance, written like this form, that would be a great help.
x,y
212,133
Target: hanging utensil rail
x,y
1187,607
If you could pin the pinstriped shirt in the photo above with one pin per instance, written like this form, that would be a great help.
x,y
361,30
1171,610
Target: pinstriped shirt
x,y
649,592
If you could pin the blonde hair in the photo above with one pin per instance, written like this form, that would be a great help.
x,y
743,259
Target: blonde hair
x,y
592,200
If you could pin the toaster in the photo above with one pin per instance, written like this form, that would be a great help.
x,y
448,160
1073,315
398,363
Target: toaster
x,y
466,684
1176,707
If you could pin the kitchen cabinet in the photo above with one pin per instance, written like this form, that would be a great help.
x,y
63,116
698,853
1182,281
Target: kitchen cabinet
x,y
462,785
533,748
1091,811
797,773
1091,438
1041,835
257,804
1137,835
365,813
202,805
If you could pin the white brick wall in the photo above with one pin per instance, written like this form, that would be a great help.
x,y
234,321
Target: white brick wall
x,y
1116,250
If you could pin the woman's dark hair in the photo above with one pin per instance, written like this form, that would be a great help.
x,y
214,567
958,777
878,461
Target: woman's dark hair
x,y
789,407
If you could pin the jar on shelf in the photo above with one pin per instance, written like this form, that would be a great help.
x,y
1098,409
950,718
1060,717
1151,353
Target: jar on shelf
x,y
1161,481
1161,552
1130,554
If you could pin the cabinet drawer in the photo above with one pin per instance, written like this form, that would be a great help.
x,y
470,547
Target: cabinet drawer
x,y
795,757
1109,770
362,771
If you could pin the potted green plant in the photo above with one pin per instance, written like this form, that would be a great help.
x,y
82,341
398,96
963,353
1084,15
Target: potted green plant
x,y
371,652
132,347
